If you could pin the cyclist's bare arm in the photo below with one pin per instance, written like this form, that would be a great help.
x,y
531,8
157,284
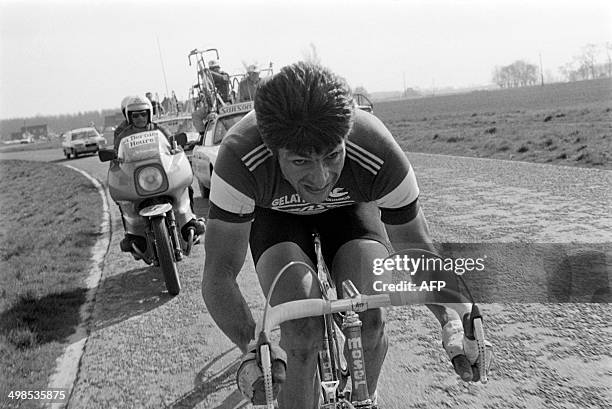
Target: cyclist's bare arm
x,y
415,234
226,246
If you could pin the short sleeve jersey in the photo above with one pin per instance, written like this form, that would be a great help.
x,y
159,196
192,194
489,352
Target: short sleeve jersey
x,y
246,174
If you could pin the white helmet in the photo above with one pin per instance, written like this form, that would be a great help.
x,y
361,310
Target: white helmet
x,y
138,103
213,64
124,103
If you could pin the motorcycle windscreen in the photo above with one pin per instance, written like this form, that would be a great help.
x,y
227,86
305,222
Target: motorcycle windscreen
x,y
143,145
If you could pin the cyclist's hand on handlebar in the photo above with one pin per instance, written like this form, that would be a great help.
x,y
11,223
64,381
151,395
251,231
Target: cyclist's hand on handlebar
x,y
465,369
462,351
250,378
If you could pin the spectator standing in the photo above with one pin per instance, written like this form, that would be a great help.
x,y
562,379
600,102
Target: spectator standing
x,y
248,85
221,80
158,109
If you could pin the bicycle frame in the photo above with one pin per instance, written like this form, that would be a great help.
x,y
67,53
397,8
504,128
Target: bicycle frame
x,y
331,373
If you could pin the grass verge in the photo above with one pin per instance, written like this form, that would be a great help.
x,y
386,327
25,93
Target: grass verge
x,y
50,220
55,144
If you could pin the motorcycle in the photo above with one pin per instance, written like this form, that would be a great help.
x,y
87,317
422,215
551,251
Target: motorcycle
x,y
149,179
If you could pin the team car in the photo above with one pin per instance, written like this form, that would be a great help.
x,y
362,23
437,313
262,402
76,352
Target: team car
x,y
82,140
181,124
207,147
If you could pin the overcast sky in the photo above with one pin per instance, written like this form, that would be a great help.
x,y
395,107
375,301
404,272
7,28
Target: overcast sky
x,y
63,56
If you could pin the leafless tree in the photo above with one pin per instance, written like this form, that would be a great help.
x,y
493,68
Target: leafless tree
x,y
517,74
361,90
585,65
608,49
587,59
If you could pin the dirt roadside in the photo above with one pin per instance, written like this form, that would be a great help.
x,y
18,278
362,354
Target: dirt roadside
x,y
548,355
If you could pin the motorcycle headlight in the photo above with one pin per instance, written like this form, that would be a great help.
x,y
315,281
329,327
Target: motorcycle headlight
x,y
150,179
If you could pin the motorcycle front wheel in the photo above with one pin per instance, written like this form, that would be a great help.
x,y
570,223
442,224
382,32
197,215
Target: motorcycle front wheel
x,y
165,255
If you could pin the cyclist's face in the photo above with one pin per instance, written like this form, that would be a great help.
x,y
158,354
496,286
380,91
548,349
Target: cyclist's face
x,y
312,176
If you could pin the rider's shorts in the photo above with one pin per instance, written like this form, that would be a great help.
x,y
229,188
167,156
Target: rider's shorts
x,y
336,227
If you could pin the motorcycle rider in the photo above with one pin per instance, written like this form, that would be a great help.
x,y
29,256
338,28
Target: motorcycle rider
x,y
139,114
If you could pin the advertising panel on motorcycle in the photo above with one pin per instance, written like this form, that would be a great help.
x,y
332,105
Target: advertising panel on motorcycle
x,y
142,146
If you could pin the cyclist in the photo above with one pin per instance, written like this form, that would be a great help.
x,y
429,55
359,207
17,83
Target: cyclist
x,y
306,158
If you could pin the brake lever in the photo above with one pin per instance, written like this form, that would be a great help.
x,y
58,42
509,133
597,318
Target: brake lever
x,y
264,358
473,330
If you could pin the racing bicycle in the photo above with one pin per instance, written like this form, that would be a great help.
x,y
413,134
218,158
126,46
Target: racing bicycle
x,y
343,326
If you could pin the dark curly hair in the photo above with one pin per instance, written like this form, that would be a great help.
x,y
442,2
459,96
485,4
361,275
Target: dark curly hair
x,y
304,108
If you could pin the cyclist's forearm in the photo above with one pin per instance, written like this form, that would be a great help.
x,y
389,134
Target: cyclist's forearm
x,y
230,311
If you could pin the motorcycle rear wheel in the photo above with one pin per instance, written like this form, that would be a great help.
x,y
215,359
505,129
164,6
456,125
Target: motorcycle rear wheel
x,y
165,255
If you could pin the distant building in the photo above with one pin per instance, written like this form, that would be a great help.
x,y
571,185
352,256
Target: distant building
x,y
36,131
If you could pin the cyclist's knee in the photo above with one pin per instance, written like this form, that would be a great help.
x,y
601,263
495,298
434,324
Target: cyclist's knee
x,y
354,261
373,324
302,336
296,283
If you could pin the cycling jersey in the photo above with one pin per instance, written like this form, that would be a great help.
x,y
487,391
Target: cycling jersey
x,y
246,174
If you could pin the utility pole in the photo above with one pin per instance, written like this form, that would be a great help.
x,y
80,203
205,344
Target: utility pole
x,y
404,90
541,70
